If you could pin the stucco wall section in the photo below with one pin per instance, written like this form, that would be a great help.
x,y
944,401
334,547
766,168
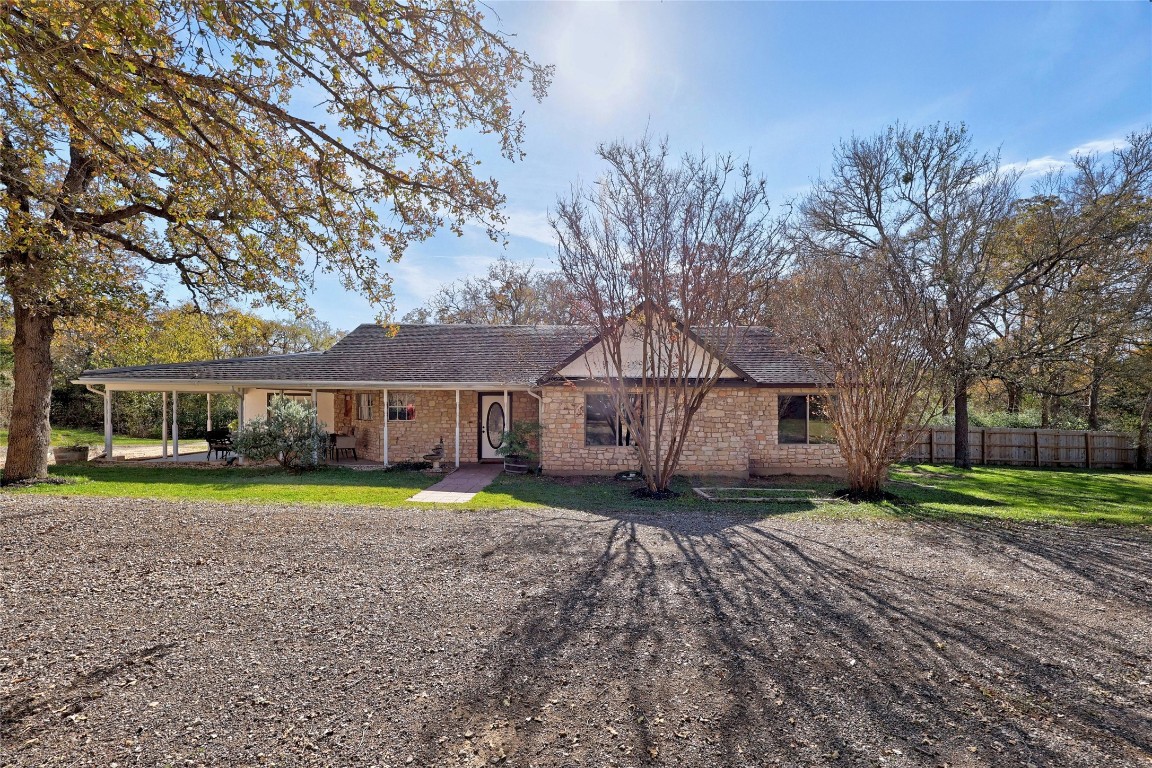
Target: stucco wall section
x,y
435,418
256,405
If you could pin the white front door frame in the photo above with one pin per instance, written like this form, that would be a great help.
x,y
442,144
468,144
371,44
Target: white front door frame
x,y
487,444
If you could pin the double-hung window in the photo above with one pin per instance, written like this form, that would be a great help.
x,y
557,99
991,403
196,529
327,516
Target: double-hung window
x,y
804,419
603,425
364,406
401,406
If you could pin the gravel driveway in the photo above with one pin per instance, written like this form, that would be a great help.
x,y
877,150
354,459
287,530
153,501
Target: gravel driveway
x,y
146,633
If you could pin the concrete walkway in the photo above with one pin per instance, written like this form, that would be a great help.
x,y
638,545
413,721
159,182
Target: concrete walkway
x,y
461,485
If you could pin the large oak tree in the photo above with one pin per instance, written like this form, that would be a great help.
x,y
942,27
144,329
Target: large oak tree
x,y
234,146
937,212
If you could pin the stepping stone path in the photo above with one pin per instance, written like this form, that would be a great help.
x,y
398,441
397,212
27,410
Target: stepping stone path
x,y
460,486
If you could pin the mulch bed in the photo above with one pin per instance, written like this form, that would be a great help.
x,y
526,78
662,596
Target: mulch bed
x,y
153,633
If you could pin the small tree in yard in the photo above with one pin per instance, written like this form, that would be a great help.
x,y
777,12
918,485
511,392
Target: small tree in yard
x,y
661,259
289,434
876,345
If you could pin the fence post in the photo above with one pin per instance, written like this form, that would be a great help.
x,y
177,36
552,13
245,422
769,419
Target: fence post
x,y
1036,445
1088,449
932,445
983,445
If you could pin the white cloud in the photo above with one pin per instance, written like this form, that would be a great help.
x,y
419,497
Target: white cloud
x,y
532,225
1037,167
1099,145
417,276
1048,164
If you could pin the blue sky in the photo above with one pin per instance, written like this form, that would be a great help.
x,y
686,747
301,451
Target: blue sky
x,y
781,83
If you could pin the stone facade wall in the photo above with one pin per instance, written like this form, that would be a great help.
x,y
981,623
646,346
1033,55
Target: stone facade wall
x,y
435,418
767,455
733,433
562,448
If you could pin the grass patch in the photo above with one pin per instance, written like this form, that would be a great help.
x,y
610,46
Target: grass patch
x,y
255,484
1022,493
65,436
1004,493
759,495
607,495
926,492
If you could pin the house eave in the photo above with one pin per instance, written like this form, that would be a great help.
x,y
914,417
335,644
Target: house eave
x,y
117,384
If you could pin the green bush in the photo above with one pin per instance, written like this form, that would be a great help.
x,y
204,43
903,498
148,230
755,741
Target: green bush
x,y
289,434
522,440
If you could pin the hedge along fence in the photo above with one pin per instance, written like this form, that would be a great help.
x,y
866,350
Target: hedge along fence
x,y
1029,447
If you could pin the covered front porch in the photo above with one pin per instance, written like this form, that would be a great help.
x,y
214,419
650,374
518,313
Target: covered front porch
x,y
381,426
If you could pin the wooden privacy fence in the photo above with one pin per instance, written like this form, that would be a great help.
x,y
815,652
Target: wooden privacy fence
x,y
1029,447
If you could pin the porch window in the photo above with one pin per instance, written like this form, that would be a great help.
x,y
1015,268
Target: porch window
x,y
804,420
364,406
401,406
603,426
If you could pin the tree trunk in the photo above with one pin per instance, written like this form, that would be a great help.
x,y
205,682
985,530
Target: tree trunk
x,y
1144,436
1015,394
1094,403
1045,412
962,459
29,433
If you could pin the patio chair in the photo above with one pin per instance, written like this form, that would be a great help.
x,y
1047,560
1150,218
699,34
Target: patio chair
x,y
219,443
343,444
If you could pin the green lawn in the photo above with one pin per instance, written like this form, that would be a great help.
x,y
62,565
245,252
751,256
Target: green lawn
x,y
1065,496
67,436
327,486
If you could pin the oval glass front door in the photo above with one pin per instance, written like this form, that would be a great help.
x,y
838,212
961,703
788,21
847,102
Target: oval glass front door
x,y
494,424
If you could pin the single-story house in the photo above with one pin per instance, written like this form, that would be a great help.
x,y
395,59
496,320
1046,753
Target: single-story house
x,y
400,390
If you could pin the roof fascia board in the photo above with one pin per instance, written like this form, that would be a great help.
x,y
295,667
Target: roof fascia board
x,y
159,385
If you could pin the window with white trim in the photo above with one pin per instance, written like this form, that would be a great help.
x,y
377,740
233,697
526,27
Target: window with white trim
x,y
364,406
401,406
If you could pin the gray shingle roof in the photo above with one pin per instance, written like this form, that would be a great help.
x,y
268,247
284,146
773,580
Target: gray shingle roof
x,y
516,355
766,361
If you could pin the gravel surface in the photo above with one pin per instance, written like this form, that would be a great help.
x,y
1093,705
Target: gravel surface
x,y
146,633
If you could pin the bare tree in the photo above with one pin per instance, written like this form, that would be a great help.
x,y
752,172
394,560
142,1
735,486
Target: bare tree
x,y
510,293
876,345
660,258
934,210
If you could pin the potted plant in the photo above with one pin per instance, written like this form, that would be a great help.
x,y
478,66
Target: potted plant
x,y
71,454
519,447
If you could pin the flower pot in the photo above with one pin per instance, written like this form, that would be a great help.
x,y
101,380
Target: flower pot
x,y
516,465
70,455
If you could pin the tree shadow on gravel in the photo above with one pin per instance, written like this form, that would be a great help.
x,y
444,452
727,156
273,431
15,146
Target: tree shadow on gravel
x,y
71,699
726,643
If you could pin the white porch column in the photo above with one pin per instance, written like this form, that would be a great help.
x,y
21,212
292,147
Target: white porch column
x,y
240,421
315,423
384,410
507,416
107,423
457,429
164,424
175,426
209,426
